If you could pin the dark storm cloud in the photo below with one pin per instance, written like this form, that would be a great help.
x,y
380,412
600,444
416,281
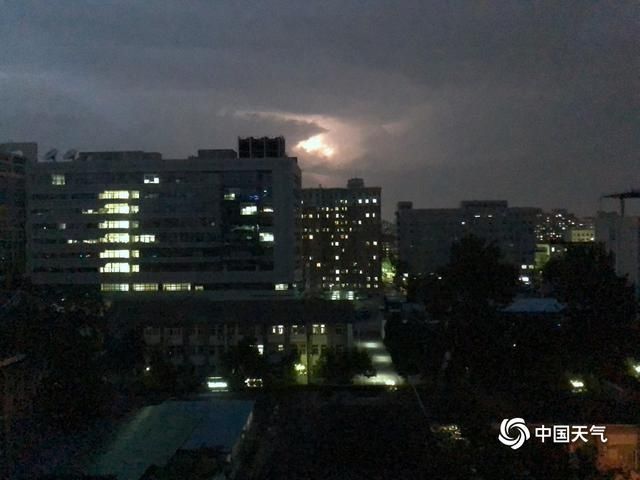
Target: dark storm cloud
x,y
535,102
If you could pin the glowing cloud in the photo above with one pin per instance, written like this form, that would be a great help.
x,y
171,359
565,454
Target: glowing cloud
x,y
316,145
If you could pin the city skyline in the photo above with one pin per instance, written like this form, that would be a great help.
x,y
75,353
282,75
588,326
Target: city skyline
x,y
434,102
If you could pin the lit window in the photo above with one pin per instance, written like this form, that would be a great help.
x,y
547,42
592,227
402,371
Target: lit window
x,y
135,268
318,264
114,195
114,287
375,200
266,237
277,329
135,194
375,242
310,237
280,347
115,238
318,329
230,196
282,286
249,210
267,209
57,179
135,208
114,224
62,226
145,287
116,268
198,287
151,178
176,287
135,253
115,208
144,238
114,254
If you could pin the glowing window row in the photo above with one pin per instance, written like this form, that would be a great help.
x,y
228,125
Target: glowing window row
x,y
118,224
126,238
118,194
113,209
120,254
145,287
119,267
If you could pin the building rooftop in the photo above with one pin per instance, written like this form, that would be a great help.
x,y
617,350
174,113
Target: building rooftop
x,y
156,433
191,311
534,306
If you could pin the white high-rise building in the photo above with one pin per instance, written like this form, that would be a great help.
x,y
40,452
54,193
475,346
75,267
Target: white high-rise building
x,y
621,236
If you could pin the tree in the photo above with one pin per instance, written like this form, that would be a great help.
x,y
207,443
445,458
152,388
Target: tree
x,y
465,295
601,307
244,361
340,367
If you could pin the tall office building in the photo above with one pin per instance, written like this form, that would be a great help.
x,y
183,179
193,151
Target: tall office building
x,y
13,159
135,222
425,236
341,239
621,236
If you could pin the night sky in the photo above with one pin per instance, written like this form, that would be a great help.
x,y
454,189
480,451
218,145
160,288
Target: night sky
x,y
533,102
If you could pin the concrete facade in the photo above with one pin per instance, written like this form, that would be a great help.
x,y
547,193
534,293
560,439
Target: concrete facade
x,y
135,222
425,236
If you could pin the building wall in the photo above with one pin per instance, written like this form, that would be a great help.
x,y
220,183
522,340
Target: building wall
x,y
425,236
621,236
341,239
13,158
132,221
204,345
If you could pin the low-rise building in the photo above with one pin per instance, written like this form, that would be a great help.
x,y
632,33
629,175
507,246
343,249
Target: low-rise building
x,y
198,332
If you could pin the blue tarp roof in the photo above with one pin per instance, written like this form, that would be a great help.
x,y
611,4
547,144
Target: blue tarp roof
x,y
156,432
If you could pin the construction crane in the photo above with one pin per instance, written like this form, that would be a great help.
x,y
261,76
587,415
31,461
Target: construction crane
x,y
622,197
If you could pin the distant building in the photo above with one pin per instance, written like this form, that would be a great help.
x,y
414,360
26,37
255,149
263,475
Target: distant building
x,y
135,222
13,159
581,235
560,225
425,236
341,239
621,236
547,251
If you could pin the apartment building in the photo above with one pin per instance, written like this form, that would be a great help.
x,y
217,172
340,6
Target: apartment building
x,y
341,240
134,222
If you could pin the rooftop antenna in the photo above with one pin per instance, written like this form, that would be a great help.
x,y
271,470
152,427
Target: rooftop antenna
x,y
70,154
51,155
622,196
